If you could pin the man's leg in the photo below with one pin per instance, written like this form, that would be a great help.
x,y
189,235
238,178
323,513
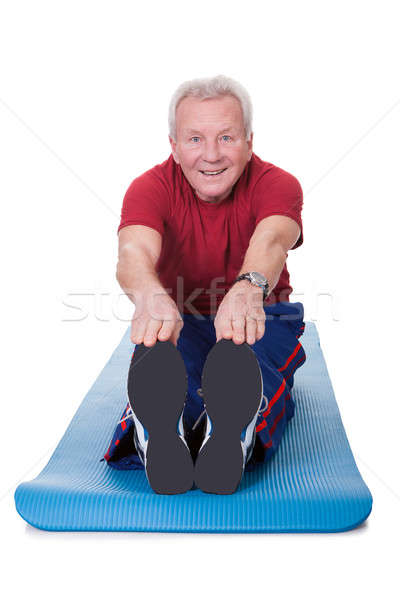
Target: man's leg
x,y
232,387
157,386
279,354
196,339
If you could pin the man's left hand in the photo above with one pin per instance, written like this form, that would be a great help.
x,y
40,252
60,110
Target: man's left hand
x,y
240,316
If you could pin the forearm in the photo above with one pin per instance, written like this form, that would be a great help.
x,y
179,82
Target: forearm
x,y
267,256
136,274
241,315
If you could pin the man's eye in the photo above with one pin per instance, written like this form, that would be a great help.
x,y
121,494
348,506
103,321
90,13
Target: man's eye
x,y
226,138
195,138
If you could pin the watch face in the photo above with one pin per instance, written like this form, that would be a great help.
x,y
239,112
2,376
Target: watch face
x,y
258,278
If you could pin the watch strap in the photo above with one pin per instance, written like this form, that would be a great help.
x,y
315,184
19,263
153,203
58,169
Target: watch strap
x,y
265,288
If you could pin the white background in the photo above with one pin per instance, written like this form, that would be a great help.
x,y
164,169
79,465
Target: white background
x,y
84,91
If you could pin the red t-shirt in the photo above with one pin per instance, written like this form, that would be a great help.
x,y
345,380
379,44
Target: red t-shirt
x,y
204,245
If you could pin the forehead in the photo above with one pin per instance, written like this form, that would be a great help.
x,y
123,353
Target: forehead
x,y
223,111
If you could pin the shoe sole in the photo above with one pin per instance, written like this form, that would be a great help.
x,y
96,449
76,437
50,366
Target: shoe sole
x,y
232,391
157,395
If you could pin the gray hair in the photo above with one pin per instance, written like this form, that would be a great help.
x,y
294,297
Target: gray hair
x,y
211,87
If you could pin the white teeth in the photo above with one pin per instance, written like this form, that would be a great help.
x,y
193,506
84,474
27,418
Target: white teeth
x,y
212,172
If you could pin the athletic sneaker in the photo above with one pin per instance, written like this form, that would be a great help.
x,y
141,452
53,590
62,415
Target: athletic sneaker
x,y
232,389
157,389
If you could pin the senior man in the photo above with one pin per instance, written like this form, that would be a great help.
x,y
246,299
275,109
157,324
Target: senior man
x,y
203,243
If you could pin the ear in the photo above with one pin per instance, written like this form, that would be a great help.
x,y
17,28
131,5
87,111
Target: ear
x,y
250,146
173,148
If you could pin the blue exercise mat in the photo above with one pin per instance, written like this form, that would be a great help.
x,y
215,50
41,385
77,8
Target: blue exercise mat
x,y
311,484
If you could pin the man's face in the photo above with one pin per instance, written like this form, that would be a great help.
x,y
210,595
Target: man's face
x,y
211,145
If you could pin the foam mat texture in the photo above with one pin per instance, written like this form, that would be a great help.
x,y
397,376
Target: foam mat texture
x,y
311,484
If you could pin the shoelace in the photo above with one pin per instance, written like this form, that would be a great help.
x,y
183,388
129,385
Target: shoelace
x,y
200,393
128,416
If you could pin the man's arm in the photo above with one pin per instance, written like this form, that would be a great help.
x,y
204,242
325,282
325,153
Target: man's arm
x,y
139,248
268,247
241,315
156,314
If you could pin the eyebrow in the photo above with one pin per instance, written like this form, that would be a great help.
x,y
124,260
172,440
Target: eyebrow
x,y
192,131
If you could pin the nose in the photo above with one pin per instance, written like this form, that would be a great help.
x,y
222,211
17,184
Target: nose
x,y
211,151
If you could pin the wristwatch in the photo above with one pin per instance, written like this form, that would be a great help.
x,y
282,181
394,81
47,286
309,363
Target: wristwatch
x,y
256,279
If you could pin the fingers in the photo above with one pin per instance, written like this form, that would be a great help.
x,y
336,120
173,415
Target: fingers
x,y
239,330
260,328
175,335
251,330
137,330
156,318
223,328
152,329
248,329
166,331
174,331
147,333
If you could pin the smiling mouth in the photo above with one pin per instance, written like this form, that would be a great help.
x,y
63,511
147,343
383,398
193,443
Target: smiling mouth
x,y
213,173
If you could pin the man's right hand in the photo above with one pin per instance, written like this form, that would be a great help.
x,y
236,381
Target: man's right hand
x,y
156,318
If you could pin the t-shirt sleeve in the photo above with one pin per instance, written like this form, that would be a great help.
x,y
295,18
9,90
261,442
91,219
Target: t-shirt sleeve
x,y
145,203
279,194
